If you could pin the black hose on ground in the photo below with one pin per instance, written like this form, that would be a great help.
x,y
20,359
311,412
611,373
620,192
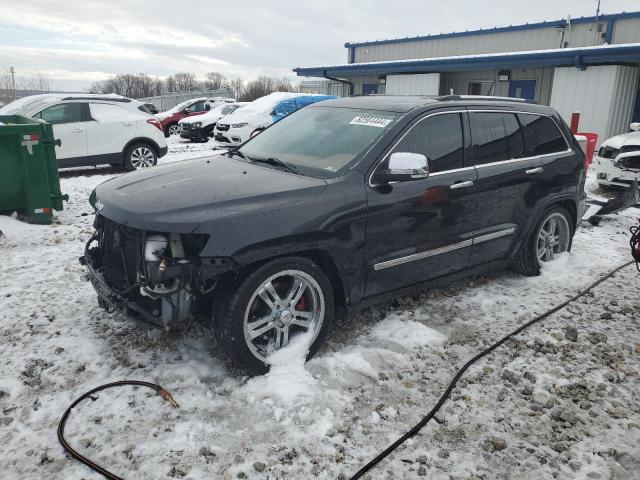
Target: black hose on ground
x,y
386,452
167,396
63,420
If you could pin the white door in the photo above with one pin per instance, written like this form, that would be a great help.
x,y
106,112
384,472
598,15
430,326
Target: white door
x,y
69,128
110,128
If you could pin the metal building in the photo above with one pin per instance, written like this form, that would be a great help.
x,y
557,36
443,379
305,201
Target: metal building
x,y
586,64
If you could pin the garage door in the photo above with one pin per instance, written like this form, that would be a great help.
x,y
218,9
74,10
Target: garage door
x,y
422,84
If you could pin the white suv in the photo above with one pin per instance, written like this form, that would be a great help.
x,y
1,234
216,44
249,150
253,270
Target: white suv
x,y
97,129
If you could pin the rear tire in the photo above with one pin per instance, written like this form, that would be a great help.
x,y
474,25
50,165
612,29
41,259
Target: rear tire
x,y
248,328
528,261
139,155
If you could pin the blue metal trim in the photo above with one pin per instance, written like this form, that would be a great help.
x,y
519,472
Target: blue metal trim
x,y
608,35
579,57
510,28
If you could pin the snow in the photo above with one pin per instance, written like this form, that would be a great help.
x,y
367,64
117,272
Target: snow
x,y
407,333
378,374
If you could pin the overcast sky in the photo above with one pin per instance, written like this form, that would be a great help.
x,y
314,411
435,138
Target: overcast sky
x,y
78,42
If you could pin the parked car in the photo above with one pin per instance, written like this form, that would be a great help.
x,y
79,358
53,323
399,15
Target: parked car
x,y
151,108
617,163
96,129
200,128
259,114
339,205
196,106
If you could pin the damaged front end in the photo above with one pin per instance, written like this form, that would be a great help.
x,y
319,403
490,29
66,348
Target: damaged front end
x,y
156,278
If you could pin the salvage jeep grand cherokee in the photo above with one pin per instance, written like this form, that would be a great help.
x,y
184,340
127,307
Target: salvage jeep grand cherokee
x,y
341,204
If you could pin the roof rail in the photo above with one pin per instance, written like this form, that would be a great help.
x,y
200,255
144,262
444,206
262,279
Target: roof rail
x,y
483,97
105,99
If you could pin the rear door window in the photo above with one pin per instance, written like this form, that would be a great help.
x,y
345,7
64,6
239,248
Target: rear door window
x,y
439,138
62,113
541,135
496,137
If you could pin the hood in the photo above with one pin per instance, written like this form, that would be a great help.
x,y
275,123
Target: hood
x,y
617,142
256,119
181,196
206,118
258,112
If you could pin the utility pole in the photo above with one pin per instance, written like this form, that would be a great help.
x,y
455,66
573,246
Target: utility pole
x,y
12,71
598,23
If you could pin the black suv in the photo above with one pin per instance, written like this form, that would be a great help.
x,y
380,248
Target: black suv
x,y
339,205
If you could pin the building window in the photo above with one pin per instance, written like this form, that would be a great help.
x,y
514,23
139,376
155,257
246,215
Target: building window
x,y
480,88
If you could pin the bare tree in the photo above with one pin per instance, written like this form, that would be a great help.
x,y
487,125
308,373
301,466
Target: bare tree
x,y
215,81
185,82
236,86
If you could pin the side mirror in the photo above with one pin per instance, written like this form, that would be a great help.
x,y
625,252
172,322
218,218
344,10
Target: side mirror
x,y
404,166
635,126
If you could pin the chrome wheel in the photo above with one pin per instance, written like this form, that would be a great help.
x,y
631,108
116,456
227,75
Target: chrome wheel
x,y
142,157
554,237
174,129
285,304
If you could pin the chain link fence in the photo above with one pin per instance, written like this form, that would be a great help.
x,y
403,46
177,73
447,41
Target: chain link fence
x,y
170,100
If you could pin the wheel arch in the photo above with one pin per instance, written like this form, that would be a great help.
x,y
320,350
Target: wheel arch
x,y
147,141
567,202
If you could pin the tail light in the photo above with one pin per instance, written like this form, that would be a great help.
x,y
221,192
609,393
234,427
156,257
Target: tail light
x,y
155,122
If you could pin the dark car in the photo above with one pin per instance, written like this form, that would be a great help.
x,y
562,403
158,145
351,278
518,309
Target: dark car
x,y
342,204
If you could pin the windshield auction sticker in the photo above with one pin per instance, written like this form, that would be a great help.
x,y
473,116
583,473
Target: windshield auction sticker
x,y
370,121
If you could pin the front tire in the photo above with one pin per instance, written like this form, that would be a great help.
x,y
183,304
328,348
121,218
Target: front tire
x,y
172,129
552,236
139,156
271,305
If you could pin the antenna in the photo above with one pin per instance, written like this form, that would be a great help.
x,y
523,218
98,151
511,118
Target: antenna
x,y
597,22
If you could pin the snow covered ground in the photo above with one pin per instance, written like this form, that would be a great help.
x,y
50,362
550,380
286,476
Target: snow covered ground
x,y
542,406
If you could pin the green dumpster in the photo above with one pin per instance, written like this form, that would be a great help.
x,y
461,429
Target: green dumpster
x,y
29,181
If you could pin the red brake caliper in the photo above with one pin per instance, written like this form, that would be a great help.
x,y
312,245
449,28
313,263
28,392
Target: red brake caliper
x,y
300,305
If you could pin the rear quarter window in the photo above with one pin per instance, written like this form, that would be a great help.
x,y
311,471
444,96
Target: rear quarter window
x,y
541,135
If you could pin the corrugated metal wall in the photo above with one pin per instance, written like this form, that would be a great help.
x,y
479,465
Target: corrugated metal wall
x,y
422,84
626,31
576,35
602,94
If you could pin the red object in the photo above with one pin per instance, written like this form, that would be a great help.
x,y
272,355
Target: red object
x,y
575,120
35,136
155,122
175,117
592,140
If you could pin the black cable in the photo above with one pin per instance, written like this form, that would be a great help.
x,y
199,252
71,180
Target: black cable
x,y
634,242
63,420
453,383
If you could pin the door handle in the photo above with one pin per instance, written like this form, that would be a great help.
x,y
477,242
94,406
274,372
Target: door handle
x,y
533,171
128,124
459,185
77,130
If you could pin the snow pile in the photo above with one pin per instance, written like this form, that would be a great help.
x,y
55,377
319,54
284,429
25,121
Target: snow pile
x,y
407,333
287,379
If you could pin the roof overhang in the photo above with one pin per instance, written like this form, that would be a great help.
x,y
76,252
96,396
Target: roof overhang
x,y
578,57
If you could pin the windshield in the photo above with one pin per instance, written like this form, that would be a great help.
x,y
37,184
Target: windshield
x,y
24,105
320,141
182,106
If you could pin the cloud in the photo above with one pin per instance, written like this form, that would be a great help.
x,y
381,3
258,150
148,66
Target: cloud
x,y
81,42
